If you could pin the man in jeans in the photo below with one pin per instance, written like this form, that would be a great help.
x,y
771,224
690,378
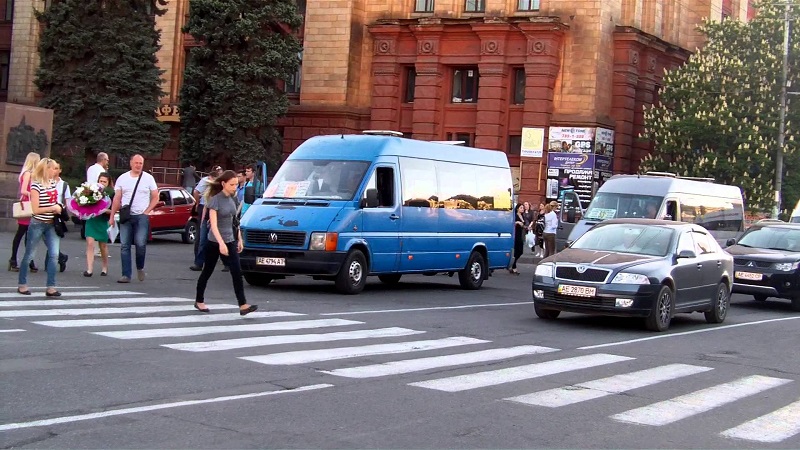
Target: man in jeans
x,y
137,229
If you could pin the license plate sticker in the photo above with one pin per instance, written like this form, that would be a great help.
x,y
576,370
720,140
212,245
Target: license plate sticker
x,y
577,291
262,261
748,276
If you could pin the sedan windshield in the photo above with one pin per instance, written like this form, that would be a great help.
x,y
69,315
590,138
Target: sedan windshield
x,y
611,205
322,179
627,238
774,238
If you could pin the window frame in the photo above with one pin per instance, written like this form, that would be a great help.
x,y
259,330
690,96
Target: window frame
x,y
5,69
410,84
474,6
427,6
517,97
528,5
463,79
294,85
9,12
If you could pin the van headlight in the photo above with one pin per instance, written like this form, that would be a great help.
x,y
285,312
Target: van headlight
x,y
630,278
544,270
323,241
786,266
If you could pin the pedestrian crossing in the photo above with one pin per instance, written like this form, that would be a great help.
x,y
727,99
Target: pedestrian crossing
x,y
353,349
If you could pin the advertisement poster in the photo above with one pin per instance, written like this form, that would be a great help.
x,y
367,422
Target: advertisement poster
x,y
571,171
571,140
532,142
604,144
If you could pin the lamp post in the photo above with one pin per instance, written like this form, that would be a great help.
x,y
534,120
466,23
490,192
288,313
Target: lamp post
x,y
782,116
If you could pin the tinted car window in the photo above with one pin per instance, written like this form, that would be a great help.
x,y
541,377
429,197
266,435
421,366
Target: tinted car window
x,y
773,238
627,238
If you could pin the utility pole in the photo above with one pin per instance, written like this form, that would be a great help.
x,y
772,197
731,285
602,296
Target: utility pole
x,y
782,116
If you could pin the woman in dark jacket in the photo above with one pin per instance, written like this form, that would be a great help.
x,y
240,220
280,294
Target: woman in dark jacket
x,y
519,237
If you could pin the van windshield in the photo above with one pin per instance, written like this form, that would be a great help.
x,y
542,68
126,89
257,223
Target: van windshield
x,y
611,205
322,179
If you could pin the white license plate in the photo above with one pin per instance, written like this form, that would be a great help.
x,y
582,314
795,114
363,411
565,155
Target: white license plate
x,y
261,261
577,291
748,276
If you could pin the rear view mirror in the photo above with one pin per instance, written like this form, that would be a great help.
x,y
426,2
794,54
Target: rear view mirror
x,y
249,195
730,242
687,254
371,199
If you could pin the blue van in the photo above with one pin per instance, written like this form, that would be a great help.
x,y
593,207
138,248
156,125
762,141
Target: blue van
x,y
344,207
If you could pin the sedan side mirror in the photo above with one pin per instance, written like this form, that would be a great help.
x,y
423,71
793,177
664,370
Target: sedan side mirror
x,y
730,242
371,199
249,195
687,254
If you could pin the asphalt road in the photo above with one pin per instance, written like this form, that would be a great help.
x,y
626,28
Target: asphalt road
x,y
420,365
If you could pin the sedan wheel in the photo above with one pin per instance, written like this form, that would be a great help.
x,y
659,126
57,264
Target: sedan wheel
x,y
661,315
720,305
546,314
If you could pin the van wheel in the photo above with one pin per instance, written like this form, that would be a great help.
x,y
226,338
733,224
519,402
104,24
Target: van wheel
x,y
546,314
661,314
189,232
257,279
391,278
352,277
472,276
719,307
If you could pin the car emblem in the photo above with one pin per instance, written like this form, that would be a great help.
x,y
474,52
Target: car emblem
x,y
581,269
751,264
273,238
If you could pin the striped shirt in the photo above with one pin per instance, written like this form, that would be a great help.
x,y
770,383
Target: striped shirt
x,y
48,196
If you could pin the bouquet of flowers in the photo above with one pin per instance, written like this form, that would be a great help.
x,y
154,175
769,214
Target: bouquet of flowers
x,y
88,201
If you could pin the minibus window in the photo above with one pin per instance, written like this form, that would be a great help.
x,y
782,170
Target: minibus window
x,y
382,180
612,205
323,179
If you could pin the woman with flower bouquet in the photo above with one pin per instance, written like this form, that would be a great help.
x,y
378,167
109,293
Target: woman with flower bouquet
x,y
91,202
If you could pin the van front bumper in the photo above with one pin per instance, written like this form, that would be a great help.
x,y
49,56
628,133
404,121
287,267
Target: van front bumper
x,y
295,262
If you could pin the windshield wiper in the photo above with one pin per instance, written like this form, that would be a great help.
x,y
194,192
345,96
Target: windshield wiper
x,y
745,245
781,249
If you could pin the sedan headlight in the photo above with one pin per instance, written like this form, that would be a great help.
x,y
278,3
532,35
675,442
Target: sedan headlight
x,y
544,270
630,278
786,266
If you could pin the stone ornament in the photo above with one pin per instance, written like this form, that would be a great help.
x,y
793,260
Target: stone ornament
x,y
383,47
427,47
537,47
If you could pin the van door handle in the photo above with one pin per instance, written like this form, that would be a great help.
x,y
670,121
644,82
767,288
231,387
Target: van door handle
x,y
394,217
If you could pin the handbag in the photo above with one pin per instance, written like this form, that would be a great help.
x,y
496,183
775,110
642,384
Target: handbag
x,y
21,209
60,222
125,211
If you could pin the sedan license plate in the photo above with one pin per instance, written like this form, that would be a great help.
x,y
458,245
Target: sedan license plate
x,y
577,291
748,276
262,261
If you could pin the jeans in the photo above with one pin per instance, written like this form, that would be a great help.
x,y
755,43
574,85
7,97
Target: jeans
x,y
212,255
37,231
202,238
135,231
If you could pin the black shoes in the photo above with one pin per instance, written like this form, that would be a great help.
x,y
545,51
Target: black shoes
x,y
20,291
62,263
205,310
251,308
12,266
195,268
53,294
86,273
33,267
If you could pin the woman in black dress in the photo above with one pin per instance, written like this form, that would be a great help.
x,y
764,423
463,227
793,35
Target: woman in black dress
x,y
519,237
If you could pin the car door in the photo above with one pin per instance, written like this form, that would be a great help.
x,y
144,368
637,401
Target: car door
x,y
571,212
712,261
160,216
182,208
687,273
381,224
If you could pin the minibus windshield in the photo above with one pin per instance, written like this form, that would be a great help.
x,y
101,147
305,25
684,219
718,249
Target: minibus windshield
x,y
612,205
320,179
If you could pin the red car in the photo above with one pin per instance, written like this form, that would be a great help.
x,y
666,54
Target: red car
x,y
174,213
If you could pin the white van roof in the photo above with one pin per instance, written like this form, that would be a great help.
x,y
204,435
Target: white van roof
x,y
663,185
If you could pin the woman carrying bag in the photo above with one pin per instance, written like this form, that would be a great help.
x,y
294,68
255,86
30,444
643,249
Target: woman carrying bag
x,y
44,197
24,196
224,238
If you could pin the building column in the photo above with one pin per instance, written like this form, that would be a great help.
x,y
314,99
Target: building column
x,y
627,49
386,79
491,118
645,96
429,92
24,52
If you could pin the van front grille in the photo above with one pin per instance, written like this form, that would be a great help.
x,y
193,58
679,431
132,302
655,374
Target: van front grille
x,y
271,237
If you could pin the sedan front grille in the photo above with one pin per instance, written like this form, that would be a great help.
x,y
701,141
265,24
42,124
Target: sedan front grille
x,y
590,275
269,237
578,301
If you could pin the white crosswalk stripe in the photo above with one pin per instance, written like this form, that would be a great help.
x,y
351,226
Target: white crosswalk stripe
x,y
260,341
511,374
197,331
436,362
96,301
616,384
328,354
194,318
679,408
774,427
94,311
35,294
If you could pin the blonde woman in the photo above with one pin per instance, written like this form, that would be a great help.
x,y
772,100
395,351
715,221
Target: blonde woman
x,y
24,195
44,203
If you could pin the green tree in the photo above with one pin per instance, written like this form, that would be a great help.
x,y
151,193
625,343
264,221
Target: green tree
x,y
231,97
98,73
717,114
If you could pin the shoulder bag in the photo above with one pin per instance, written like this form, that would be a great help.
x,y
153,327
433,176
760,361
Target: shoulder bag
x,y
125,211
22,209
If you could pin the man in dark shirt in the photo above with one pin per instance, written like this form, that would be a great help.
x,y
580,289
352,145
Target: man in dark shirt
x,y
190,177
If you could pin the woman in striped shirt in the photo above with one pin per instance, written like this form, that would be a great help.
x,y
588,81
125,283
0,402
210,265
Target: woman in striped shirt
x,y
44,203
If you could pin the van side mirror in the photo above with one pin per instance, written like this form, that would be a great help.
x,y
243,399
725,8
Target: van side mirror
x,y
371,199
687,254
249,195
730,242
571,215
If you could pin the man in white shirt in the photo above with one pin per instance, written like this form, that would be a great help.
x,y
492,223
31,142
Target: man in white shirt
x,y
94,171
142,201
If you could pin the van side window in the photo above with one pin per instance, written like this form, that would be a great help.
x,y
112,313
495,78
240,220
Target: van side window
x,y
712,213
419,183
382,180
456,186
672,210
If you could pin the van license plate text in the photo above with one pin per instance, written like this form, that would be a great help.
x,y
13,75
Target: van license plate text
x,y
748,276
261,261
578,291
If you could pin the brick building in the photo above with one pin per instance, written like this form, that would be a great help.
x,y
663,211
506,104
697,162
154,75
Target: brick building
x,y
474,70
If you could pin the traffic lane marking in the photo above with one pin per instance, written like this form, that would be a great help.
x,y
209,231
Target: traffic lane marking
x,y
431,308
